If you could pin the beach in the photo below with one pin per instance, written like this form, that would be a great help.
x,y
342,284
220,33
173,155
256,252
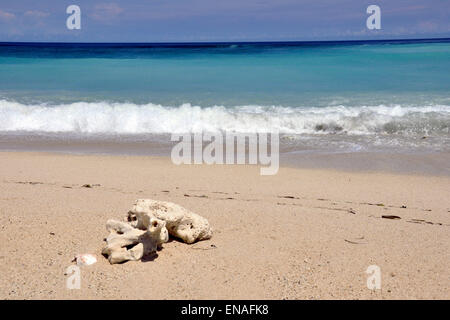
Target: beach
x,y
352,203
304,233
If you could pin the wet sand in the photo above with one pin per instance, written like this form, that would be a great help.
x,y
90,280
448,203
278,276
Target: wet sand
x,y
305,233
422,161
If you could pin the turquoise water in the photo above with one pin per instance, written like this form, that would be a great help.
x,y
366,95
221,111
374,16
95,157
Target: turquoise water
x,y
231,76
377,90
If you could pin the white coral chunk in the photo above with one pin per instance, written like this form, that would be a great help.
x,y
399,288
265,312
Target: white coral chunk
x,y
180,222
126,242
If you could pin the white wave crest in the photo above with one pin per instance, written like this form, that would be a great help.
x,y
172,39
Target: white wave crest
x,y
128,118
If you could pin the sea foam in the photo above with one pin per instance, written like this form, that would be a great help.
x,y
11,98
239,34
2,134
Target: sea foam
x,y
129,118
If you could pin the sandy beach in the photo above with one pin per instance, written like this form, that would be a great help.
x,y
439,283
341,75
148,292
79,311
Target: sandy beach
x,y
301,234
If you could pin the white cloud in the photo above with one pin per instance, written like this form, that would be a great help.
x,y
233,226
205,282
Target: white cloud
x,y
36,14
106,11
6,16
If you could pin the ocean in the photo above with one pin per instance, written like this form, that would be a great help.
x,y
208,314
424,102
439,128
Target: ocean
x,y
323,97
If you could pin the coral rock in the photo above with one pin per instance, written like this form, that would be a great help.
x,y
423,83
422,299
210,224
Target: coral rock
x,y
180,222
126,242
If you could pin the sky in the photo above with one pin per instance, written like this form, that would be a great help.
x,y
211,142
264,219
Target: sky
x,y
221,20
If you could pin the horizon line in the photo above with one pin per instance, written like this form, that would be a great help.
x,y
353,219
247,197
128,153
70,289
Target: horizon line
x,y
203,43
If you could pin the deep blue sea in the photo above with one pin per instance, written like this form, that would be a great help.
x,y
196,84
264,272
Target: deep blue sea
x,y
342,96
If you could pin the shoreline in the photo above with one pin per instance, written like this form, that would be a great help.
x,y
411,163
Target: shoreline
x,y
416,163
300,234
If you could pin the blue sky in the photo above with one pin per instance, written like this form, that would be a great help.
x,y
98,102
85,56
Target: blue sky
x,y
221,20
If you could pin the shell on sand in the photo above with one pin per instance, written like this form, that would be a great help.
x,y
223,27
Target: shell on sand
x,y
85,259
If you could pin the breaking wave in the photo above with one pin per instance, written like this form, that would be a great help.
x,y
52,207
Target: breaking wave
x,y
128,118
